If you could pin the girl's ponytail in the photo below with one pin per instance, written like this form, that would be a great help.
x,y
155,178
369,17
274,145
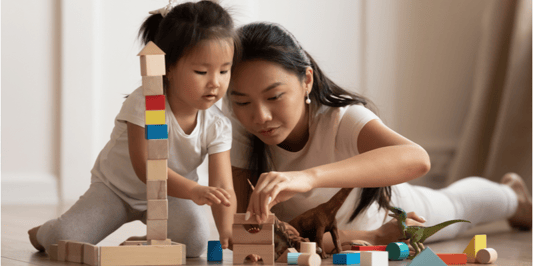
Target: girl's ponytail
x,y
149,28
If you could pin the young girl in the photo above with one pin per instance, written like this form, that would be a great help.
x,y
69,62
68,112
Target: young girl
x,y
299,137
199,41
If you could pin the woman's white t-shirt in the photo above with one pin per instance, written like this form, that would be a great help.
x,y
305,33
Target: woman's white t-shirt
x,y
113,167
333,133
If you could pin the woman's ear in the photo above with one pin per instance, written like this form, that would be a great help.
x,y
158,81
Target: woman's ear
x,y
308,82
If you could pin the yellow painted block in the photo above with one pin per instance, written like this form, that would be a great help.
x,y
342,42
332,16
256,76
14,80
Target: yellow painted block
x,y
155,117
477,243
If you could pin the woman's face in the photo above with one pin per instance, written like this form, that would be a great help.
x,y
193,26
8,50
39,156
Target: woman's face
x,y
269,101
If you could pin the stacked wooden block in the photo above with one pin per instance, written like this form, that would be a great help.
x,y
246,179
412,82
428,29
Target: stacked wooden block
x,y
246,243
152,71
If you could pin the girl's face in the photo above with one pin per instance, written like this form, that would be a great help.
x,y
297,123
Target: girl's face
x,y
201,77
269,101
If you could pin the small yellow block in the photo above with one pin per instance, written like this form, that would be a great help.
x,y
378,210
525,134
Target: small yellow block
x,y
155,117
477,243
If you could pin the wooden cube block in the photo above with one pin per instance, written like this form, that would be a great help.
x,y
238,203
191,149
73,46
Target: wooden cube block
x,y
153,65
156,131
157,149
155,102
141,255
52,252
157,210
91,254
74,251
155,117
156,229
375,258
156,189
159,242
477,243
152,85
156,170
62,250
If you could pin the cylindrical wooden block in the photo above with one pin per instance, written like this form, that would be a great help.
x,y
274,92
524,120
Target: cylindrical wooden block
x,y
486,255
309,259
398,251
292,258
308,247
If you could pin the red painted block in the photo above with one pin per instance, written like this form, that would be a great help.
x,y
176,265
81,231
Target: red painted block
x,y
453,259
370,248
155,102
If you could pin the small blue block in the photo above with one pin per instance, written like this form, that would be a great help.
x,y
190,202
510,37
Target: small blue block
x,y
292,258
427,257
214,251
398,251
347,258
156,131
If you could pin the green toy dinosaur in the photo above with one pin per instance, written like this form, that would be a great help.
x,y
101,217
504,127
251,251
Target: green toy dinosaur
x,y
417,234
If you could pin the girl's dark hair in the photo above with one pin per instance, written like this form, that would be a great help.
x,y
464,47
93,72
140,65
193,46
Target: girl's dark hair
x,y
271,42
185,26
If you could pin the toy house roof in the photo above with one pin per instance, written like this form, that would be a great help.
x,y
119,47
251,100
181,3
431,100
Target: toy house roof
x,y
151,49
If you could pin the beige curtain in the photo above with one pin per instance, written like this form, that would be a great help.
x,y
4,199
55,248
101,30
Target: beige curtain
x,y
496,136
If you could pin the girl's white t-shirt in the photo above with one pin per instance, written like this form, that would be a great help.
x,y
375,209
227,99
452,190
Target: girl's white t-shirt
x,y
113,167
333,134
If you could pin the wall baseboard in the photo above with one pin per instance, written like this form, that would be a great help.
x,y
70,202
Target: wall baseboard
x,y
24,188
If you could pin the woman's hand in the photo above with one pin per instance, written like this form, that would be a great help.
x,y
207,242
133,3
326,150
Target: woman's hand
x,y
225,239
275,187
390,232
210,195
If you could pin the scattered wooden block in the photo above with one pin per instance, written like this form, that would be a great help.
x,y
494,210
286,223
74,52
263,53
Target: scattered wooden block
x,y
308,247
156,170
377,258
91,254
159,242
156,229
52,252
242,236
283,257
141,255
152,85
241,251
157,149
155,102
370,248
453,259
214,251
398,251
157,210
477,243
486,255
156,189
292,258
156,131
425,258
74,252
62,250
347,258
309,259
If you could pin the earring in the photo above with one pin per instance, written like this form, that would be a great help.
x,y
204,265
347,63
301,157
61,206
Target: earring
x,y
307,99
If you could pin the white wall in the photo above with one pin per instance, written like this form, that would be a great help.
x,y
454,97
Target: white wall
x,y
71,69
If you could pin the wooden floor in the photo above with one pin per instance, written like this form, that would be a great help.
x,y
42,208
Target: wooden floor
x,y
514,248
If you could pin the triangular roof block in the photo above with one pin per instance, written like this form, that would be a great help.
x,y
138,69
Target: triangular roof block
x,y
427,257
151,49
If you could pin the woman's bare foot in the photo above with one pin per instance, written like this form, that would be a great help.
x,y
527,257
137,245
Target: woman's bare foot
x,y
522,218
33,239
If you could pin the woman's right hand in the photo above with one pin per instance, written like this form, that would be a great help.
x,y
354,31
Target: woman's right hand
x,y
210,195
390,232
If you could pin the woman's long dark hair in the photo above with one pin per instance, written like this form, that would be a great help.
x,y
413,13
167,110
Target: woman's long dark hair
x,y
273,43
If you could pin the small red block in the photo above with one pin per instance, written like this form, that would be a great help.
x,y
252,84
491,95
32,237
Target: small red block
x,y
370,248
155,102
453,259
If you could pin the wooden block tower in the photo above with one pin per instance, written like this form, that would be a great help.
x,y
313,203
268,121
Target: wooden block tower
x,y
152,71
246,241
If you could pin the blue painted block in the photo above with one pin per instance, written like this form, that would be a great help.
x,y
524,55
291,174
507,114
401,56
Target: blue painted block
x,y
398,251
292,258
427,257
347,258
156,131
214,251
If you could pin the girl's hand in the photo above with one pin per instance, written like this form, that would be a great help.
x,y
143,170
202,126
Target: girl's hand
x,y
210,195
275,187
390,232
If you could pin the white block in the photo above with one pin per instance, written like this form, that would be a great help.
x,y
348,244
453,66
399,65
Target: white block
x,y
374,258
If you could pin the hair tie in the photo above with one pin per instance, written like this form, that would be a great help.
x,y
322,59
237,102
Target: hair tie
x,y
164,10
